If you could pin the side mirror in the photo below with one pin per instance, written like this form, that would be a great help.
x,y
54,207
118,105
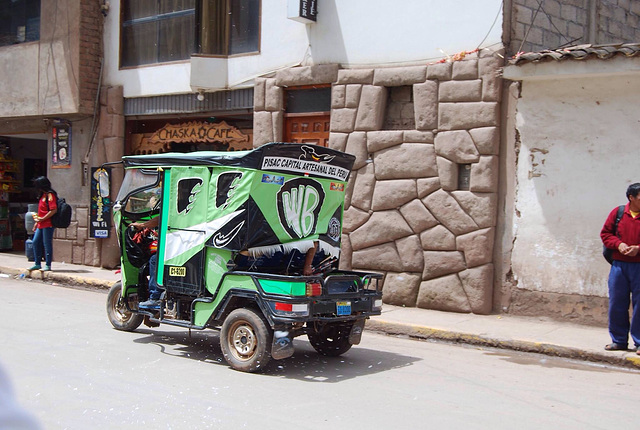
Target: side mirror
x,y
103,183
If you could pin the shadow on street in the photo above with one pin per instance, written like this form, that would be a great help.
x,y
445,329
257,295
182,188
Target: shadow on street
x,y
305,365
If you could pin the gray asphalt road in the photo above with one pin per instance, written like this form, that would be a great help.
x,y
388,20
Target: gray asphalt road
x,y
73,371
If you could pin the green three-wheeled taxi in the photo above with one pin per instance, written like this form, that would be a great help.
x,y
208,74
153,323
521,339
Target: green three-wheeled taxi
x,y
244,242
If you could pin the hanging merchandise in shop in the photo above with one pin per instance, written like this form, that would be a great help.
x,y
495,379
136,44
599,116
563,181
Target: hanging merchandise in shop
x,y
100,217
61,141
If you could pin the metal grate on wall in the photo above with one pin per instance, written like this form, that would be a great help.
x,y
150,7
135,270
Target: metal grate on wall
x,y
189,103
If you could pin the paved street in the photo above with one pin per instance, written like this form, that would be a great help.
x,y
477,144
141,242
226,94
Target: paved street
x,y
73,371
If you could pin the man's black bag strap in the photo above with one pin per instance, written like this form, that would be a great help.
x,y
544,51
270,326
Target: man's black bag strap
x,y
618,218
606,252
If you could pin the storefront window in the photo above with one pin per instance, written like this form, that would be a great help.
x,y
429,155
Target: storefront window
x,y
156,31
19,21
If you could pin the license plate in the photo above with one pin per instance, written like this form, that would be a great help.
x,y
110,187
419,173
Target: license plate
x,y
343,308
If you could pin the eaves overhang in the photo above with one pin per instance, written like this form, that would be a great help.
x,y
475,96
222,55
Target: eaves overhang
x,y
575,62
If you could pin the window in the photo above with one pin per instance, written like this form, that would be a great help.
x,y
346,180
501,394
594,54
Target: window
x,y
228,27
307,100
19,21
141,190
399,114
464,177
307,114
157,31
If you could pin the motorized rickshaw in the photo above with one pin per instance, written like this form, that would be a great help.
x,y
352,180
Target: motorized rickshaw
x,y
234,229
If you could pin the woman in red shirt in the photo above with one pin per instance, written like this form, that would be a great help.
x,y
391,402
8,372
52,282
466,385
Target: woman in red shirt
x,y
43,228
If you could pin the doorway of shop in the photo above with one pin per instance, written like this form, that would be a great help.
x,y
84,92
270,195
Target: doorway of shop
x,y
22,158
307,114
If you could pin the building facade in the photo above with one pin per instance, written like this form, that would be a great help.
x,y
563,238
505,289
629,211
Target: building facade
x,y
569,124
422,120
462,179
51,71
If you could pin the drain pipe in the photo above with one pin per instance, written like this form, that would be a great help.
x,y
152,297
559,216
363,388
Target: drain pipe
x,y
94,128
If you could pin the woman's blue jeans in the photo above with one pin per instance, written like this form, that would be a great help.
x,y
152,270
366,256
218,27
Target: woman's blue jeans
x,y
43,238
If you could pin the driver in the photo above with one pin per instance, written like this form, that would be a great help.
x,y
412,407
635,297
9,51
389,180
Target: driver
x,y
155,292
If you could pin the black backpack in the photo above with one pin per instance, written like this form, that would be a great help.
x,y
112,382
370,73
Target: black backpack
x,y
62,218
606,252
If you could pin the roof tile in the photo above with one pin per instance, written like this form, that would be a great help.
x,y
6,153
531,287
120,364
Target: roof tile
x,y
578,52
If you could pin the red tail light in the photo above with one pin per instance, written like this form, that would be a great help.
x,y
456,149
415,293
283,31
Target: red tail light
x,y
314,289
286,307
290,309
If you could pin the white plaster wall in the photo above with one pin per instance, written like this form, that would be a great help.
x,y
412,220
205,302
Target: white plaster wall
x,y
353,33
378,32
578,153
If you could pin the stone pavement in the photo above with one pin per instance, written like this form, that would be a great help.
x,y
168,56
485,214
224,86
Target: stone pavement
x,y
527,334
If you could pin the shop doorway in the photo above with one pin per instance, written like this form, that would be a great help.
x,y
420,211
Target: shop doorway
x,y
308,129
307,114
22,158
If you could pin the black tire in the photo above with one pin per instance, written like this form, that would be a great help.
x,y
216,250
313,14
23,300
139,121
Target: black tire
x,y
245,340
119,317
332,341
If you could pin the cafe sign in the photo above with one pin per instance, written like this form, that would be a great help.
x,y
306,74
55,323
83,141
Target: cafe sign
x,y
198,132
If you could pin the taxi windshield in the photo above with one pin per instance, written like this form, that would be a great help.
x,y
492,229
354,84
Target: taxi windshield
x,y
141,189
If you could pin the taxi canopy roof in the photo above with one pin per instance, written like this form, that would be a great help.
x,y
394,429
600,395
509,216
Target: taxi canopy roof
x,y
293,158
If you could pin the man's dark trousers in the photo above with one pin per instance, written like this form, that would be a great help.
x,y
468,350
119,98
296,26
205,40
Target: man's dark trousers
x,y
624,279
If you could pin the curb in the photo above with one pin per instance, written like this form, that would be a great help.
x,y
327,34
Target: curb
x,y
426,333
60,278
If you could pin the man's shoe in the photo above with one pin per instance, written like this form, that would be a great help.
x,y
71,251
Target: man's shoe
x,y
616,347
35,267
150,304
47,269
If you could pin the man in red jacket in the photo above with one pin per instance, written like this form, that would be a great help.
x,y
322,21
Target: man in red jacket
x,y
624,277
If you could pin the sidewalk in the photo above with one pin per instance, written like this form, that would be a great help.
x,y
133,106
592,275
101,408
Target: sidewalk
x,y
527,334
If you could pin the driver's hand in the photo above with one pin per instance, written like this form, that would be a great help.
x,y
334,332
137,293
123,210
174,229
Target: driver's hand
x,y
136,225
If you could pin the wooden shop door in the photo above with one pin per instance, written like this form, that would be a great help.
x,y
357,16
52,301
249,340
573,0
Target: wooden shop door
x,y
300,128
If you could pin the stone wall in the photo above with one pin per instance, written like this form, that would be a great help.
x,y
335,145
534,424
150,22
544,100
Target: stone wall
x,y
405,214
73,245
571,22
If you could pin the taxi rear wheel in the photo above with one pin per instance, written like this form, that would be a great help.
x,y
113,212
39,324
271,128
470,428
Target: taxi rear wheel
x,y
332,341
245,340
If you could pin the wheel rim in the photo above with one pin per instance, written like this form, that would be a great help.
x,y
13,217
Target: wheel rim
x,y
120,312
243,340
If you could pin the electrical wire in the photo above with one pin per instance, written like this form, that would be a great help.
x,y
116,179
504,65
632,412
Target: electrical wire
x,y
492,25
554,26
524,39
541,8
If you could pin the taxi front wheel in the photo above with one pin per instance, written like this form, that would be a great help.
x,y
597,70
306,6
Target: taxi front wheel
x,y
119,316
